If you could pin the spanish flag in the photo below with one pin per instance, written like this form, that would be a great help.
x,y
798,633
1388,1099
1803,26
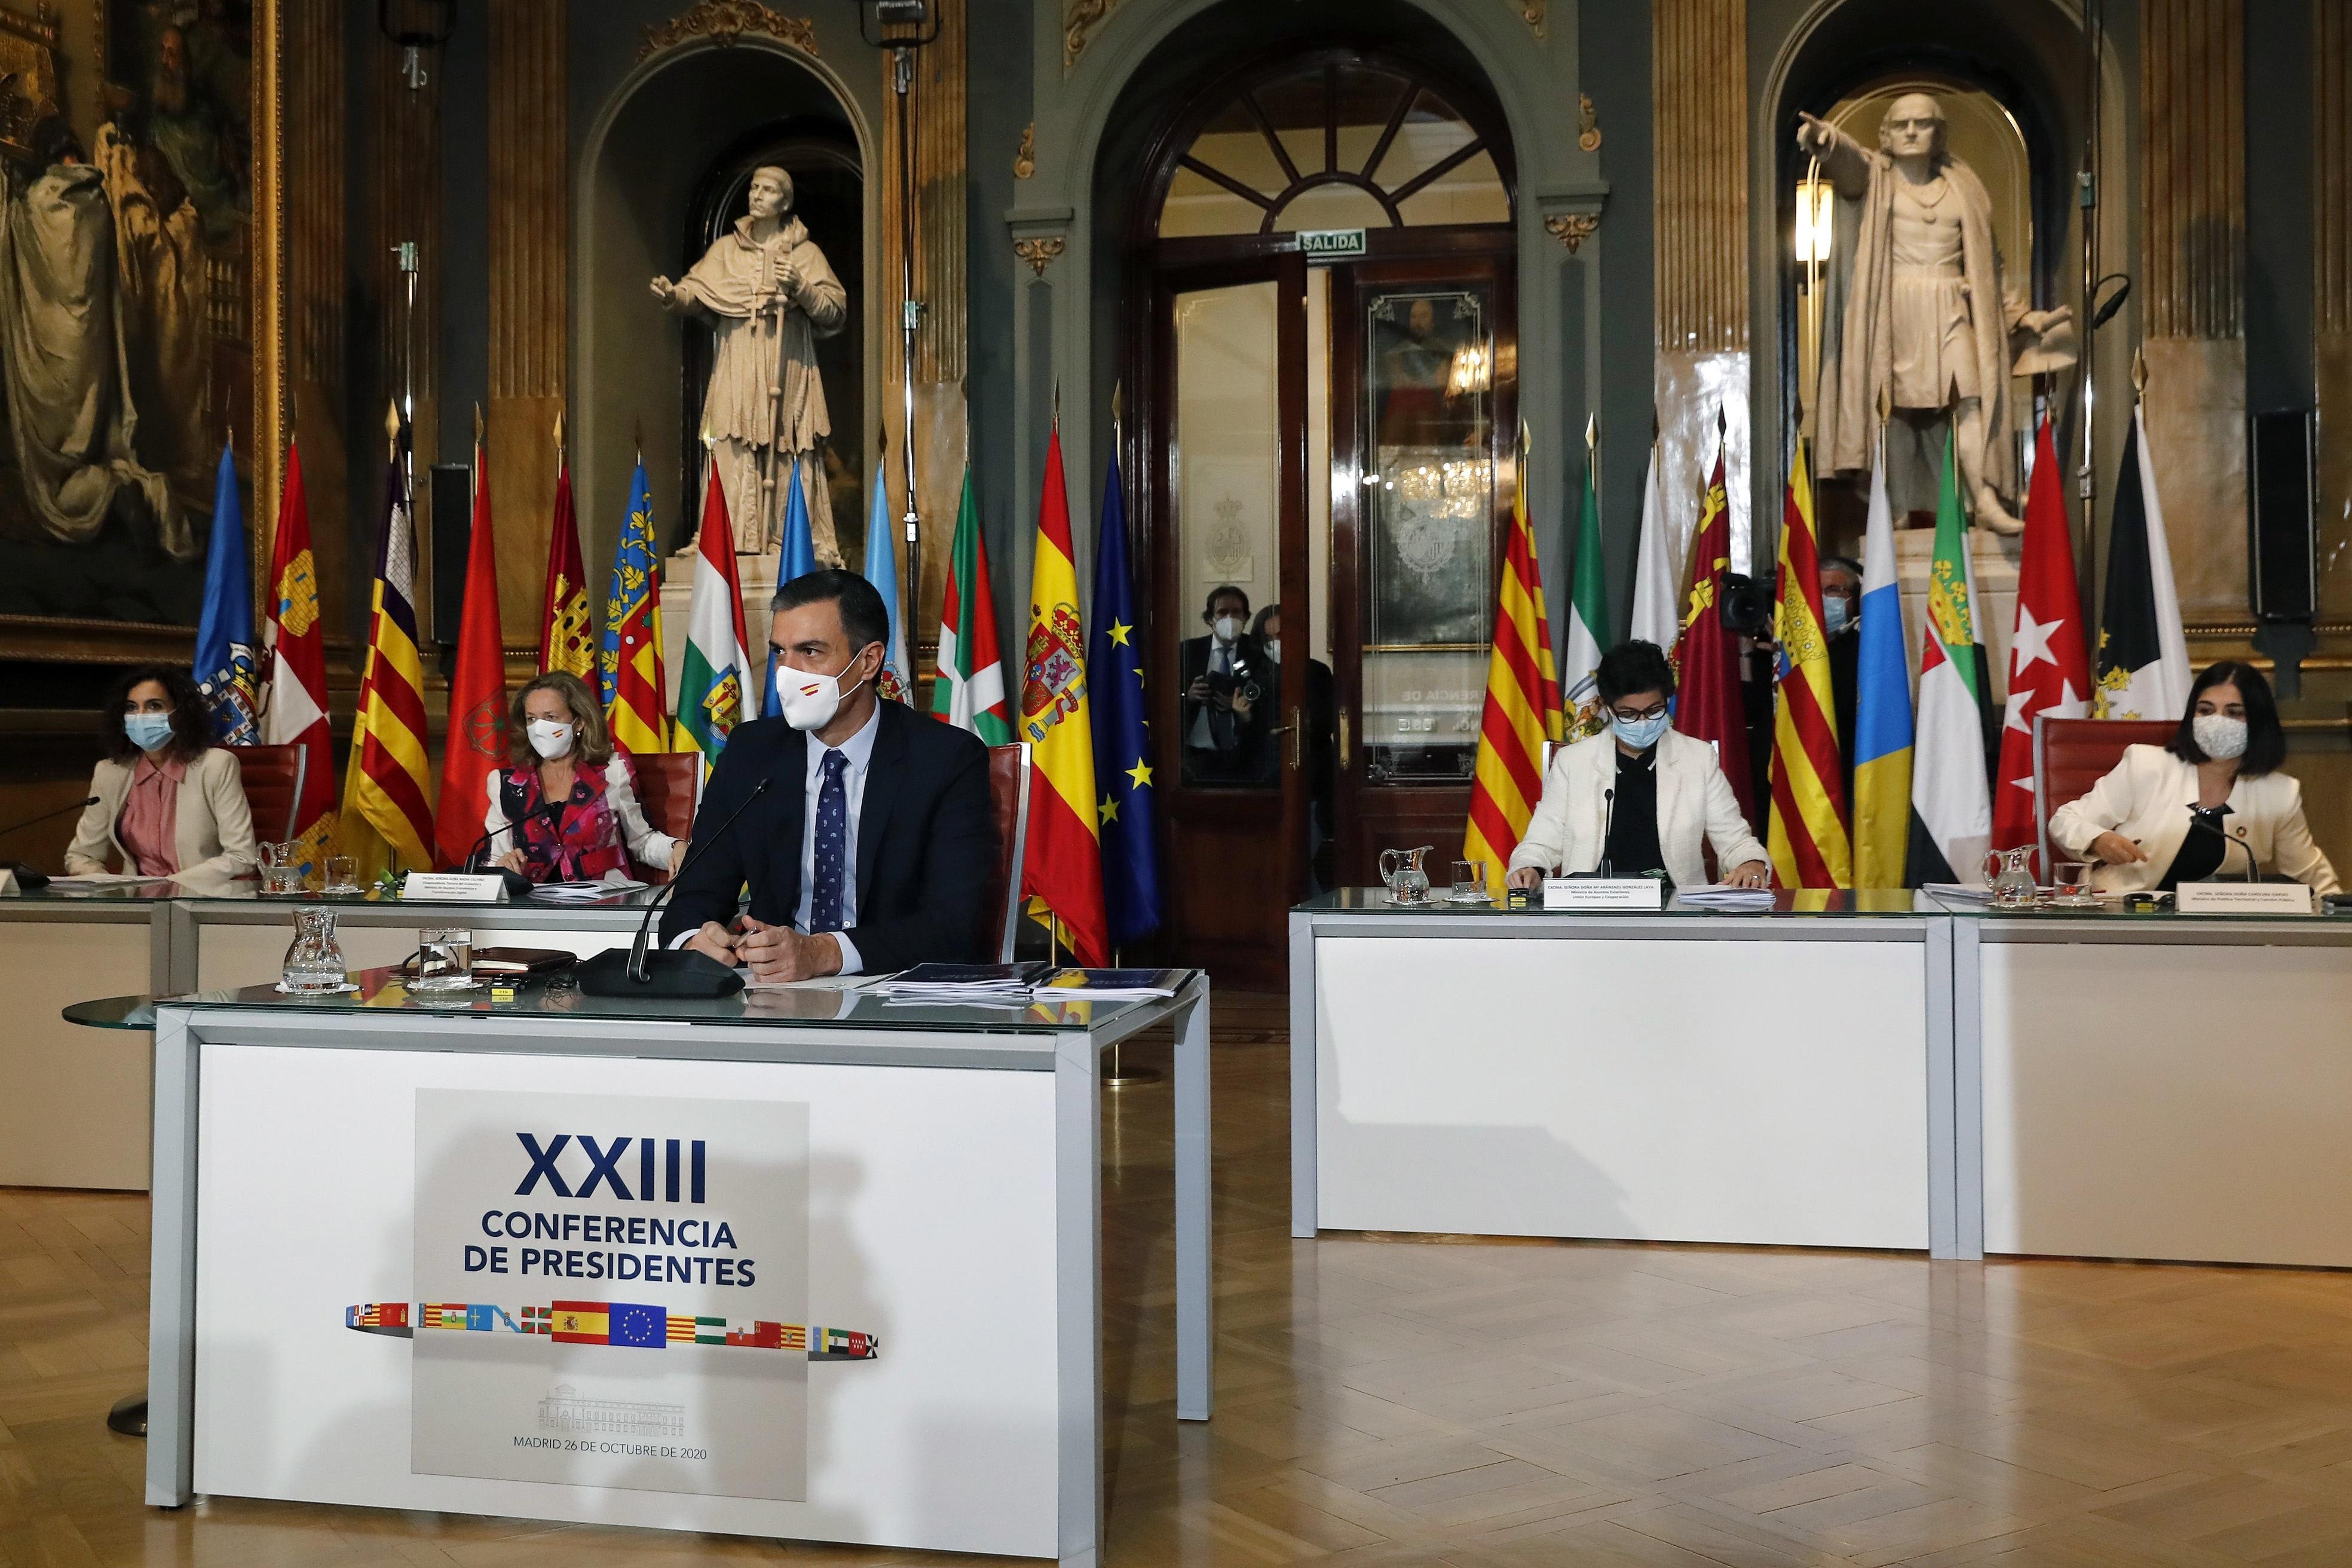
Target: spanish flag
x,y
387,817
1808,835
1522,709
1062,873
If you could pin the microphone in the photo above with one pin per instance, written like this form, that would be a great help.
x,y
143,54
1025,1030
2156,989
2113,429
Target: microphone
x,y
1608,821
518,886
667,972
28,879
2199,819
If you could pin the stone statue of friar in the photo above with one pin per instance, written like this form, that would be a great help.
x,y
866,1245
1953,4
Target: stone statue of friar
x,y
1927,319
768,294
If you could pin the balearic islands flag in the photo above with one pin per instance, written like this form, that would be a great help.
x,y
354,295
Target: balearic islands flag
x,y
2143,655
2049,670
565,642
969,689
1062,868
1707,703
1657,571
636,704
387,817
1951,812
1808,835
1588,619
1882,704
475,744
1522,707
224,658
714,682
295,655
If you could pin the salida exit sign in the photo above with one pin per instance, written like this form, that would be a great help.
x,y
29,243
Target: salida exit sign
x,y
1320,244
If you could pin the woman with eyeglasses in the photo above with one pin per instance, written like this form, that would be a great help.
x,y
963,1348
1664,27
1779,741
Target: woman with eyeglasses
x,y
169,802
1640,796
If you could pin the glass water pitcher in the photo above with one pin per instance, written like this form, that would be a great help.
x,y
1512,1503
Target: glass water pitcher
x,y
314,964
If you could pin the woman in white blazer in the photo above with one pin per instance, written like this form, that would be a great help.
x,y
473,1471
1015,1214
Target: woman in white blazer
x,y
169,803
2211,803
1641,794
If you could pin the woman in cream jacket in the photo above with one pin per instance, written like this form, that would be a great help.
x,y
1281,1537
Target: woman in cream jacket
x,y
169,803
2209,804
1639,792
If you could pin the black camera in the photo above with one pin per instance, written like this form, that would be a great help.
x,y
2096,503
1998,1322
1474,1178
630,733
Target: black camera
x,y
1746,606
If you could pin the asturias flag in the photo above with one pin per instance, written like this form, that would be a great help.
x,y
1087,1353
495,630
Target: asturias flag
x,y
1951,810
1062,868
1808,836
636,704
2143,653
1882,704
1588,619
565,640
712,695
295,657
969,689
2049,666
387,817
1707,702
223,662
1131,844
892,682
1522,707
475,745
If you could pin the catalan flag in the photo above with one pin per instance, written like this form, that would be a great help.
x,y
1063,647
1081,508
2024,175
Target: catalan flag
x,y
294,656
636,697
387,817
1522,708
1808,835
1063,873
566,643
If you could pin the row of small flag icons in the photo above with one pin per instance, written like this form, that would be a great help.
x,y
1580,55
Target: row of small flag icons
x,y
611,1323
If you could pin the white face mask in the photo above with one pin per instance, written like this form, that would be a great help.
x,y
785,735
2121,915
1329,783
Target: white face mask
x,y
1273,650
810,701
2219,736
1228,629
550,737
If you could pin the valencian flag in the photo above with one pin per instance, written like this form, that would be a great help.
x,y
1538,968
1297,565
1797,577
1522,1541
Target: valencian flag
x,y
1951,811
1130,843
1062,868
1587,616
223,662
1706,701
565,641
1882,705
1522,707
2143,655
475,745
2049,667
969,689
1807,837
294,657
882,571
712,698
387,817
636,704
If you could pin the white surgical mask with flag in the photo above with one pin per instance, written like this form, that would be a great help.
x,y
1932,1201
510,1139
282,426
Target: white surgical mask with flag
x,y
550,737
809,702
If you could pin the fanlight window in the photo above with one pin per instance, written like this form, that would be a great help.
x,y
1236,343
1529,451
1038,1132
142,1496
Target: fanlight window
x,y
1337,146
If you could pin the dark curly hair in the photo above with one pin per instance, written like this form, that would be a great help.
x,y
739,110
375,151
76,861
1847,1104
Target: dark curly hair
x,y
191,724
1634,665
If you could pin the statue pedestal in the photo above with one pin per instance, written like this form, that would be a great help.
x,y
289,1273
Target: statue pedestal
x,y
756,573
1997,557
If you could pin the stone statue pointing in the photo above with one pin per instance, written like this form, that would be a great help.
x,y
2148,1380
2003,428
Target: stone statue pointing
x,y
1928,317
768,294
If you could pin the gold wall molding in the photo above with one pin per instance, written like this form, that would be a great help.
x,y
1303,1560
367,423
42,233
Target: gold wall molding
x,y
1038,252
724,22
2331,177
1699,78
1587,123
1024,157
1534,13
1079,19
1572,229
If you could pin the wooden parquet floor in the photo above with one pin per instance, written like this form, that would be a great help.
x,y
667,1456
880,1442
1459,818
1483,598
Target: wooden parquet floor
x,y
1385,1403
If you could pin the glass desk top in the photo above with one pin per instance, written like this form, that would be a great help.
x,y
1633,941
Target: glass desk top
x,y
1804,902
246,892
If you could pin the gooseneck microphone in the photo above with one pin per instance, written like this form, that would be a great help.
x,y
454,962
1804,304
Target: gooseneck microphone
x,y
518,886
1608,822
2199,819
82,804
646,972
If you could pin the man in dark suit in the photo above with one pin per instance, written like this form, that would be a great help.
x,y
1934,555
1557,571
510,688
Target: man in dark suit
x,y
1229,691
1841,617
871,848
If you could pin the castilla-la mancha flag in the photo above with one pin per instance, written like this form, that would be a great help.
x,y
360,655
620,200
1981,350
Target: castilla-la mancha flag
x,y
1062,870
2049,658
294,665
1522,707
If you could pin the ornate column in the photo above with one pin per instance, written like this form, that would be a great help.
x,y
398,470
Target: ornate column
x,y
2331,177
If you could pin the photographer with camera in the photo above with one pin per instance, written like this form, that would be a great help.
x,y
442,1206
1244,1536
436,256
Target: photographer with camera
x,y
1231,690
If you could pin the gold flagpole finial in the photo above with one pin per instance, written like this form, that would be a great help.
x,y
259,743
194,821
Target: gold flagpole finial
x,y
478,425
2139,372
706,434
1591,431
1885,404
559,433
391,425
1058,402
1118,402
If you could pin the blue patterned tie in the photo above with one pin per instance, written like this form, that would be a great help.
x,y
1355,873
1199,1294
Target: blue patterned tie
x,y
832,845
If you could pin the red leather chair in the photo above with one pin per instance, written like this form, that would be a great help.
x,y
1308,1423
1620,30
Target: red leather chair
x,y
1008,789
670,786
273,788
2070,755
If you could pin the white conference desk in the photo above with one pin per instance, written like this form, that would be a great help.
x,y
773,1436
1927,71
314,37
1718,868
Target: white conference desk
x,y
1861,1071
930,1176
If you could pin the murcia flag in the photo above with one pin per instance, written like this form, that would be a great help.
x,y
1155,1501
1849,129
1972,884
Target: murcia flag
x,y
1808,834
1951,812
1062,870
2143,655
2049,671
1707,705
1522,707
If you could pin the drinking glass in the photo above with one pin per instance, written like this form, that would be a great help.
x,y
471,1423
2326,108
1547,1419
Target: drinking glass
x,y
1469,882
314,963
444,960
2071,879
342,874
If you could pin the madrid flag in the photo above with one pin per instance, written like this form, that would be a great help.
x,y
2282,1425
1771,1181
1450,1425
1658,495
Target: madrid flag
x,y
2049,663
1062,868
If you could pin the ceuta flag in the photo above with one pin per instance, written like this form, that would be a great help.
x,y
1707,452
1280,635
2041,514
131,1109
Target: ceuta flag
x,y
476,746
294,659
969,692
1522,707
565,641
2048,659
1707,655
1808,833
1062,867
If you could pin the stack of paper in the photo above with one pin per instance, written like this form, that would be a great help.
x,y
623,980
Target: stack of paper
x,y
1002,983
1959,893
1724,896
1110,984
614,885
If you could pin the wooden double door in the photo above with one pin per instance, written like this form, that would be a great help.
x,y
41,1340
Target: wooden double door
x,y
1337,441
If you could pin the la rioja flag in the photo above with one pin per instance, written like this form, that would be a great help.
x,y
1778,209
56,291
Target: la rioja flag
x,y
2049,661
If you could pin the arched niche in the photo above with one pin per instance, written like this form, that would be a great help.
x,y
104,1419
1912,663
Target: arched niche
x,y
657,160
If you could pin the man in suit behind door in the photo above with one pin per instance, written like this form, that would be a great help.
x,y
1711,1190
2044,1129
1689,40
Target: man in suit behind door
x,y
870,850
1229,690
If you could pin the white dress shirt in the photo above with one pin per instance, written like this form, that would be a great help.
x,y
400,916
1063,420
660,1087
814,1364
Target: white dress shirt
x,y
1220,662
860,750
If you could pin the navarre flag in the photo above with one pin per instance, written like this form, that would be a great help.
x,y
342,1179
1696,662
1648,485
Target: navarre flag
x,y
1062,868
1951,811
565,641
894,680
2143,653
636,704
294,658
475,745
2049,665
969,689
224,660
798,556
1808,834
1522,707
714,682
1588,619
1129,827
1707,657
387,817
1882,705
1657,570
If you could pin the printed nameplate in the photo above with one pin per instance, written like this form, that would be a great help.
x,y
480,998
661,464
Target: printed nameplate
x,y
2243,899
1604,893
454,887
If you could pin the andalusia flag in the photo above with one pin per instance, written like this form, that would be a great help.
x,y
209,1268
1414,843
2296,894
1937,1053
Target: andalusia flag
x,y
1062,870
714,691
1522,708
1951,803
1808,834
1588,619
969,691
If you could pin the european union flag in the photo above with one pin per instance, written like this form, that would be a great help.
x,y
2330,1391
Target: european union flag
x,y
647,1327
1130,841
223,662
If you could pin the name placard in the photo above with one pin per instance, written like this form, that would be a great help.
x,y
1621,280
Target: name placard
x,y
454,887
1604,893
2243,899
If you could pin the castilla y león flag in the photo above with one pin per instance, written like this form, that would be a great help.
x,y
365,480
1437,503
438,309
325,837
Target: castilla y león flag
x,y
1062,868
